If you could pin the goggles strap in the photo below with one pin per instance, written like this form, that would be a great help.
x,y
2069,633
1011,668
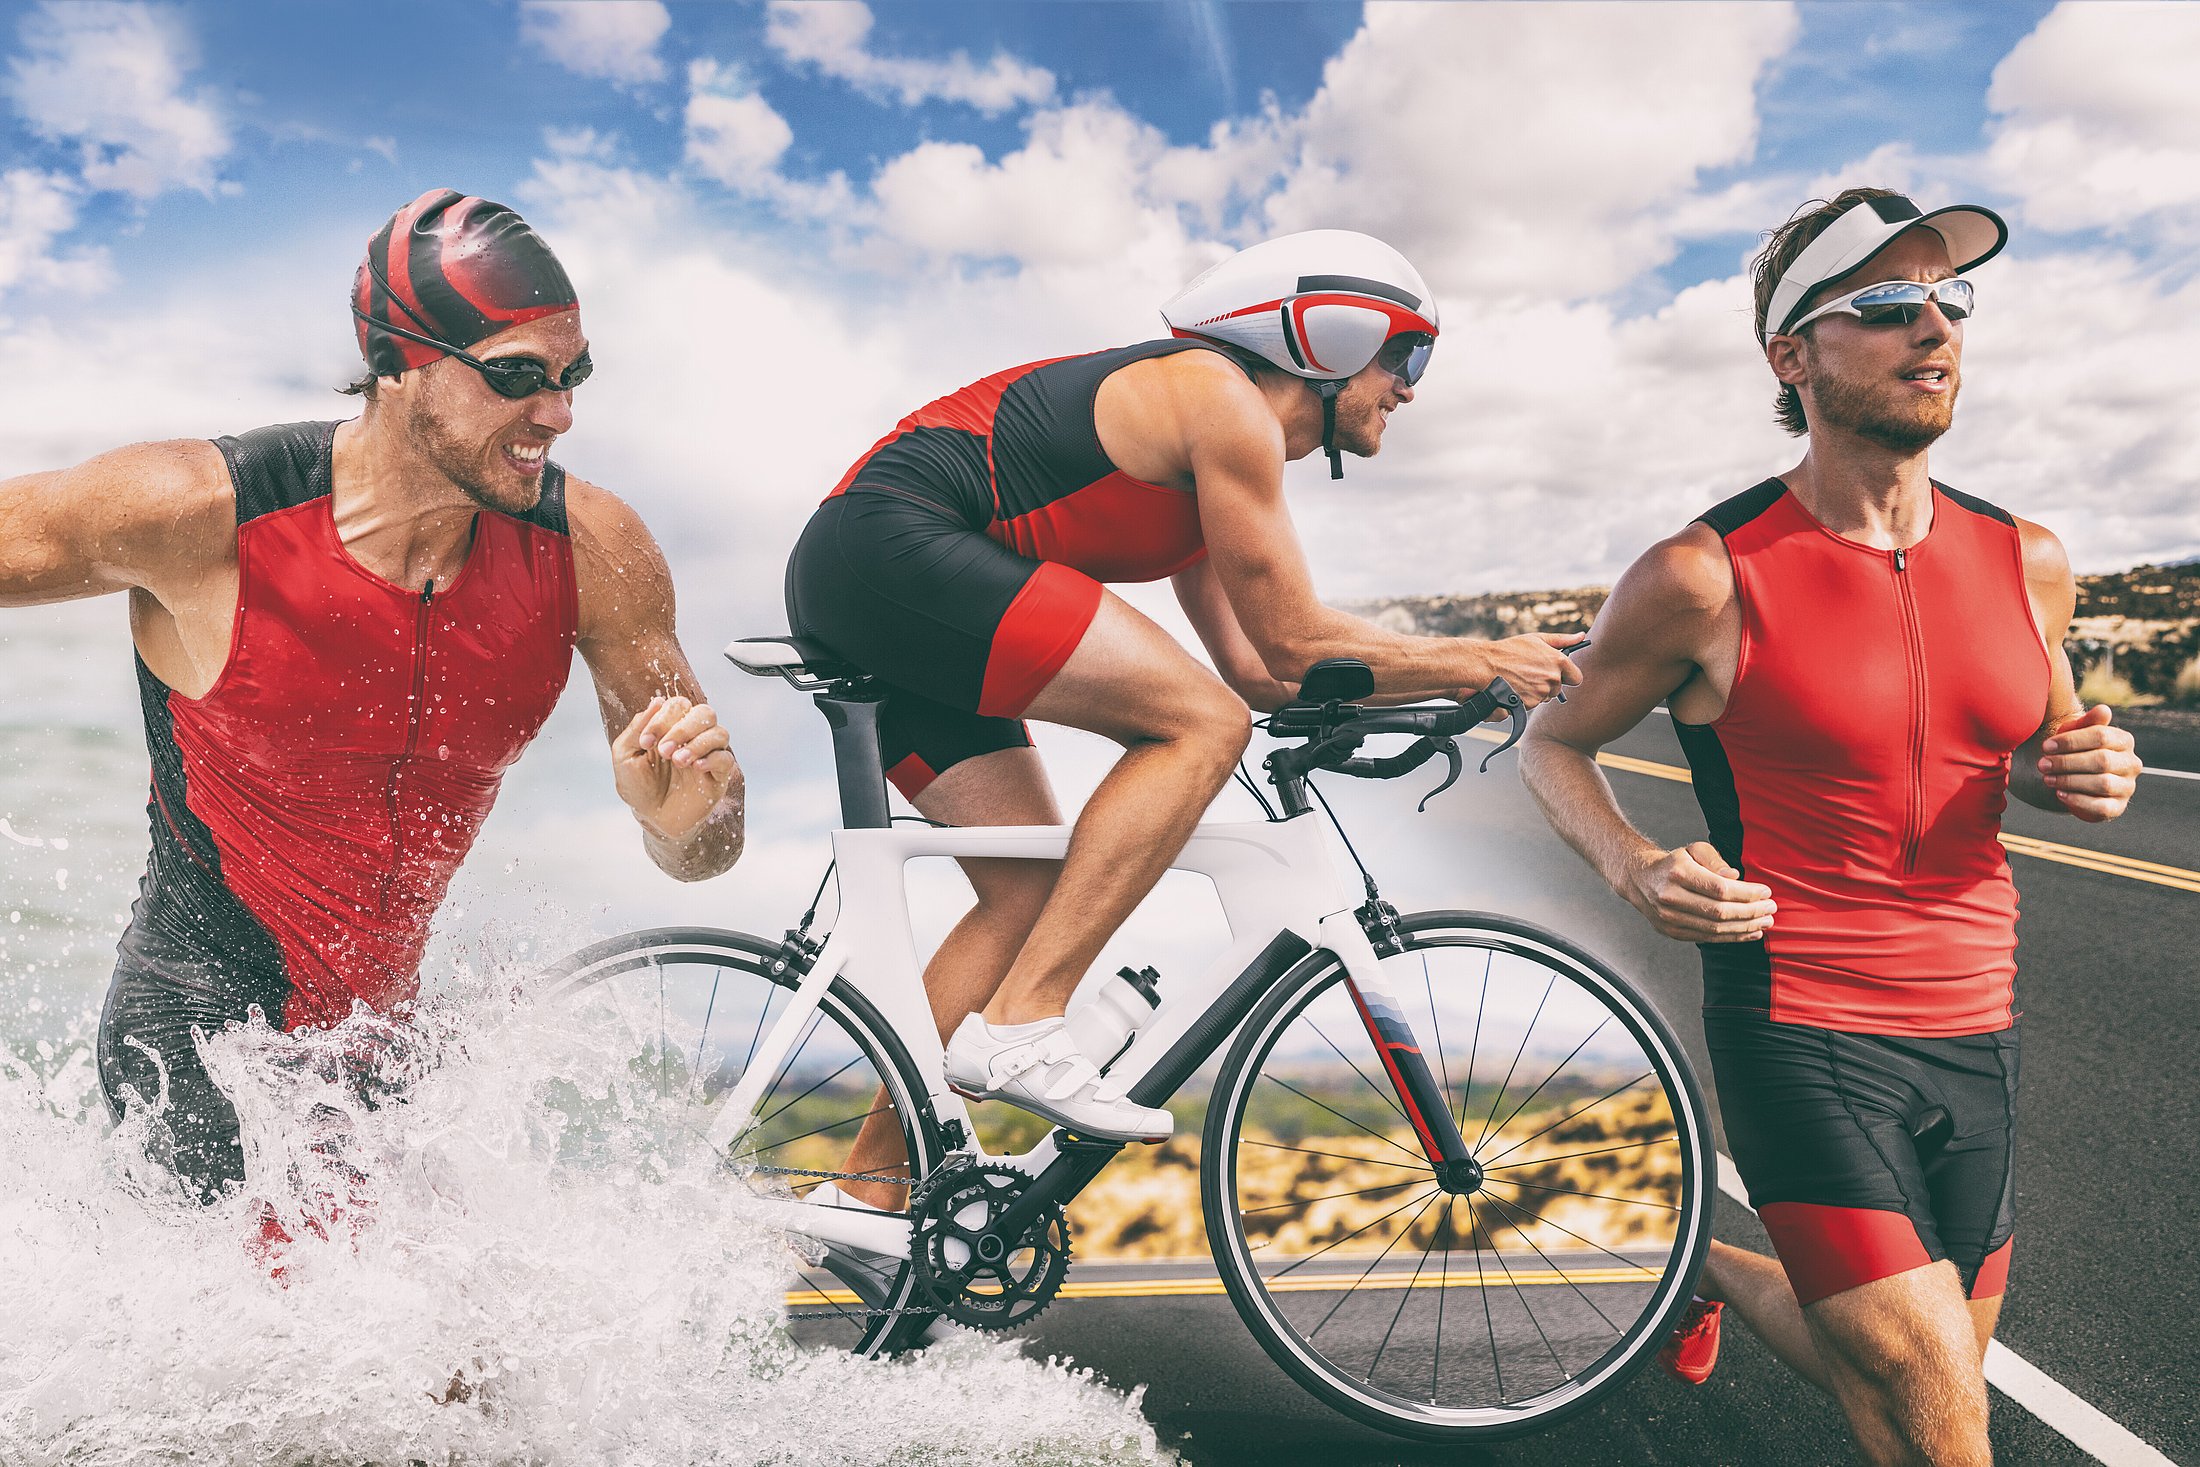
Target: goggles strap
x,y
1329,391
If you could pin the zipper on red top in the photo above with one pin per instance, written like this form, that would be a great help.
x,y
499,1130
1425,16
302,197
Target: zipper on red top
x,y
414,713
1913,647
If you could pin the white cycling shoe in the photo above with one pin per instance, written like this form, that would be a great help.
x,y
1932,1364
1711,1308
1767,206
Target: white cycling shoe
x,y
1038,1067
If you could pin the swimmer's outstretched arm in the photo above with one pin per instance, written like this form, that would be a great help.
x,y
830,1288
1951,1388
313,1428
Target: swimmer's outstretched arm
x,y
671,760
153,517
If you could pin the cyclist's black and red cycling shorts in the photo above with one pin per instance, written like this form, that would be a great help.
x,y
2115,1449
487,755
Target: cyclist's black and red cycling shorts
x,y
960,560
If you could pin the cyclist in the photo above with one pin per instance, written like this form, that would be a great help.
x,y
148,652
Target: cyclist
x,y
345,632
1861,664
962,559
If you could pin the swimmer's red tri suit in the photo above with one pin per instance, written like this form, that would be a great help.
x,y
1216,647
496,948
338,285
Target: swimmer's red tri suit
x,y
308,811
960,560
1866,1048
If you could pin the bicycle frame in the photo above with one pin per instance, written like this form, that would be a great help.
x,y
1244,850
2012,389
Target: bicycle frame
x,y
1282,895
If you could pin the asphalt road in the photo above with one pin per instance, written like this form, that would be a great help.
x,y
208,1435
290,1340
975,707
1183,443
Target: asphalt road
x,y
2103,1293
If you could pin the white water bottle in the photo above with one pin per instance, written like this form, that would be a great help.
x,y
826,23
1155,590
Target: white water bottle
x,y
1105,1020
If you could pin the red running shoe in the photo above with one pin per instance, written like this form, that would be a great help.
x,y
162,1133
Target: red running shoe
x,y
1694,1348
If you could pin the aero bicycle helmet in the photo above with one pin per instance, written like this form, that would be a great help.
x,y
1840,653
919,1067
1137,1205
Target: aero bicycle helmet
x,y
1319,305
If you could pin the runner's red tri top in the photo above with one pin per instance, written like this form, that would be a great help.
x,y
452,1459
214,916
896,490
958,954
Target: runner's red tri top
x,y
308,812
1862,764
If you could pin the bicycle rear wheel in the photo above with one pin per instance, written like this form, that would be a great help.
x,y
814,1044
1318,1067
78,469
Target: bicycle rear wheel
x,y
1492,1309
691,1006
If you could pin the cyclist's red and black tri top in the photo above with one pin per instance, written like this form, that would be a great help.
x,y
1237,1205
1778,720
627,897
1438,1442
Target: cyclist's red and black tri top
x,y
960,560
307,813
1865,1049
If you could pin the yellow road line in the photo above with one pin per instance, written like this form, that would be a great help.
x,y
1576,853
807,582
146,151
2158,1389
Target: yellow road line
x,y
1322,1283
2154,873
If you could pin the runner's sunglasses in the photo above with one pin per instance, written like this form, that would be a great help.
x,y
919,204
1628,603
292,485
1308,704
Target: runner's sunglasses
x,y
1405,356
1897,302
506,376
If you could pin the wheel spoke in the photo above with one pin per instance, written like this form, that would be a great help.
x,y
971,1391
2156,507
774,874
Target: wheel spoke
x,y
1572,1155
805,1095
1379,1095
1482,1287
1340,1115
1351,1288
1512,1115
1600,1196
1333,1196
1348,1237
1525,1035
1499,1254
821,1130
1405,1296
703,1037
1341,1156
1562,1120
1489,956
1563,1275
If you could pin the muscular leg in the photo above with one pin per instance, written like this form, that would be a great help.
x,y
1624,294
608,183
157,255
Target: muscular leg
x,y
1182,732
1757,1289
1006,787
1906,1364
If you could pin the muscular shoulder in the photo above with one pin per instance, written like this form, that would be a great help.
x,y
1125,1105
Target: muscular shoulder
x,y
1172,419
164,508
2047,575
621,571
1674,594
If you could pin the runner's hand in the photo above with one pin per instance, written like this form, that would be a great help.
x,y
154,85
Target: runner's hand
x,y
1535,665
1693,895
672,764
2091,766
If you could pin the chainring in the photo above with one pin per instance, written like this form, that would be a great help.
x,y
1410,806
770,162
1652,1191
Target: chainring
x,y
950,1215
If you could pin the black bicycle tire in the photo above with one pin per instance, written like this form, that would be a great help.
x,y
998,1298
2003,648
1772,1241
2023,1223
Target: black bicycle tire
x,y
779,964
1233,1258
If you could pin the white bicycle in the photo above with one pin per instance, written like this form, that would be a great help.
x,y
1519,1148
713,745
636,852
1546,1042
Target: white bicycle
x,y
1447,1242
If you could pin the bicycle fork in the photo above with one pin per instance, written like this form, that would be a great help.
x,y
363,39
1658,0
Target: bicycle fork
x,y
1422,1100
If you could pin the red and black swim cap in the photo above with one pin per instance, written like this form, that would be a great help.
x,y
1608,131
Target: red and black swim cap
x,y
454,267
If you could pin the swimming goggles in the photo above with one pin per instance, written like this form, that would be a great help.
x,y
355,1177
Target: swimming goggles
x,y
506,376
1897,302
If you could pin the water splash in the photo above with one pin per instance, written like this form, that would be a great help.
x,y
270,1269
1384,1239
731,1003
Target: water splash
x,y
465,1281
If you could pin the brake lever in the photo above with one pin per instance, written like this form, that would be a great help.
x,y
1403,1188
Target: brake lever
x,y
1516,718
1450,750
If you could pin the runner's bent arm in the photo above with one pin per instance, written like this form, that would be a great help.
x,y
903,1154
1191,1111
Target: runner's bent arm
x,y
1234,448
1648,639
2077,761
669,756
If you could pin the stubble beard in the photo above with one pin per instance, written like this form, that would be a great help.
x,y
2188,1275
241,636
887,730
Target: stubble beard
x,y
1875,415
459,461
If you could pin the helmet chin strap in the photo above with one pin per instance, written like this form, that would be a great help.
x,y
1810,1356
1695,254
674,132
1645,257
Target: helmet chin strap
x,y
1329,391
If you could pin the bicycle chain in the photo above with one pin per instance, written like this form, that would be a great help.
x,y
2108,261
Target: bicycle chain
x,y
835,1311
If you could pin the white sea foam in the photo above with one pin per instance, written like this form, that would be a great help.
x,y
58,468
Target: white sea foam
x,y
613,1301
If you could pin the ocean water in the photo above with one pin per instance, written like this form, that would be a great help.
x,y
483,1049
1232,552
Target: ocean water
x,y
464,1283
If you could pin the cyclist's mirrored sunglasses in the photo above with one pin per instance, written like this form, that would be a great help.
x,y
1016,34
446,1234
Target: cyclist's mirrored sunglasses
x,y
506,376
1897,302
1405,356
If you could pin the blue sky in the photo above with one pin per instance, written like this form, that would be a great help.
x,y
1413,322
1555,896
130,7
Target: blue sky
x,y
917,194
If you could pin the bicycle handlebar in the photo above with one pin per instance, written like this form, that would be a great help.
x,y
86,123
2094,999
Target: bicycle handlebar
x,y
1335,731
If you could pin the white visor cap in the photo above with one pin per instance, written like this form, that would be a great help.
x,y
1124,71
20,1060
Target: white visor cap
x,y
1975,234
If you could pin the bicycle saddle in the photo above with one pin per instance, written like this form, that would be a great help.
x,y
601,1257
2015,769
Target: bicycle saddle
x,y
788,655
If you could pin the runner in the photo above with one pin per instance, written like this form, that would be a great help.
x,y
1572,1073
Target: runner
x,y
961,561
345,632
1861,664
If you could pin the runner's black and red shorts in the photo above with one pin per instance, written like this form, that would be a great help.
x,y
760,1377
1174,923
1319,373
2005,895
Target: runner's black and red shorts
x,y
1869,1155
964,631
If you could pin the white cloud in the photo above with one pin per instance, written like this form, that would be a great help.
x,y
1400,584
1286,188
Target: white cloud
x,y
2097,126
109,78
1528,149
36,210
613,39
733,134
834,36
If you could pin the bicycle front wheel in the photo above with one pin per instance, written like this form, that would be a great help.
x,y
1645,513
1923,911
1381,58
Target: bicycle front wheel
x,y
1483,1309
690,1008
